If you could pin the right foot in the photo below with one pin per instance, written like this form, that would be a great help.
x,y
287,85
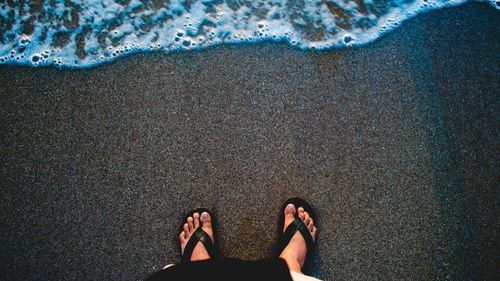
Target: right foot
x,y
296,251
199,252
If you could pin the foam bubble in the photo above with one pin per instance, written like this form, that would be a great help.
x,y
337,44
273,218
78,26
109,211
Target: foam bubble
x,y
84,33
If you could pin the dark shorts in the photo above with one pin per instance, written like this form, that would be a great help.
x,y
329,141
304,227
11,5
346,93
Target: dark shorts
x,y
226,269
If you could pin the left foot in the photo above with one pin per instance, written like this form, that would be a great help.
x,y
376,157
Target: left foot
x,y
199,252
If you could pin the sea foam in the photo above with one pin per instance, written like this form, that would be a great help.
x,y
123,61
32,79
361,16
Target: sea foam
x,y
85,33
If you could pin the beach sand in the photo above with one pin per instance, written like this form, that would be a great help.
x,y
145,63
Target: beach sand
x,y
395,144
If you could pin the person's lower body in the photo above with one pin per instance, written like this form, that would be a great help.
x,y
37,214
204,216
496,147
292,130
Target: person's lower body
x,y
231,269
226,269
200,256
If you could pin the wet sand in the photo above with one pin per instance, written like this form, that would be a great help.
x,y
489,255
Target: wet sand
x,y
395,144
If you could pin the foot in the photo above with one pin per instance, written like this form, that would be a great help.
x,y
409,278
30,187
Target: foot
x,y
296,251
199,252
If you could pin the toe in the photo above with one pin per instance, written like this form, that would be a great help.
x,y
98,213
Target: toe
x,y
289,215
190,224
302,214
185,227
196,220
307,220
290,210
206,219
314,232
182,236
306,216
310,224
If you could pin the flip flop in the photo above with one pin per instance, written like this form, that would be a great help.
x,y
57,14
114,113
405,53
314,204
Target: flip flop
x,y
297,225
199,235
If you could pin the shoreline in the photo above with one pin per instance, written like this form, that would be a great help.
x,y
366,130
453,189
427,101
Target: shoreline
x,y
85,56
255,44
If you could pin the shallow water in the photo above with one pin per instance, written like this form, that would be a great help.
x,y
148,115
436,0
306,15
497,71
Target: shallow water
x,y
85,33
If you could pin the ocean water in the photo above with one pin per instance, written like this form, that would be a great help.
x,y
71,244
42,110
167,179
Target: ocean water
x,y
85,33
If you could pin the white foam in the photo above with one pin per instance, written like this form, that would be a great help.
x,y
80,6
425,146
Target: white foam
x,y
106,29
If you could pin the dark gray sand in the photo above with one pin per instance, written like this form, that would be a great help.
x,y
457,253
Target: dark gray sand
x,y
395,144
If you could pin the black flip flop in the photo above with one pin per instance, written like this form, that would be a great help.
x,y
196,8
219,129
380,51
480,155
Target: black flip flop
x,y
199,235
297,225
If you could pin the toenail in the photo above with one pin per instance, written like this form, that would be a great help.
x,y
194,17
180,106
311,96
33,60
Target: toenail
x,y
204,216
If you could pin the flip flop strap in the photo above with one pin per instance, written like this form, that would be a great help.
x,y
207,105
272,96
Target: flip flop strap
x,y
199,235
297,225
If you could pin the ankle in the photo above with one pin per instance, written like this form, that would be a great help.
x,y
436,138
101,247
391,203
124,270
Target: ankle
x,y
292,262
